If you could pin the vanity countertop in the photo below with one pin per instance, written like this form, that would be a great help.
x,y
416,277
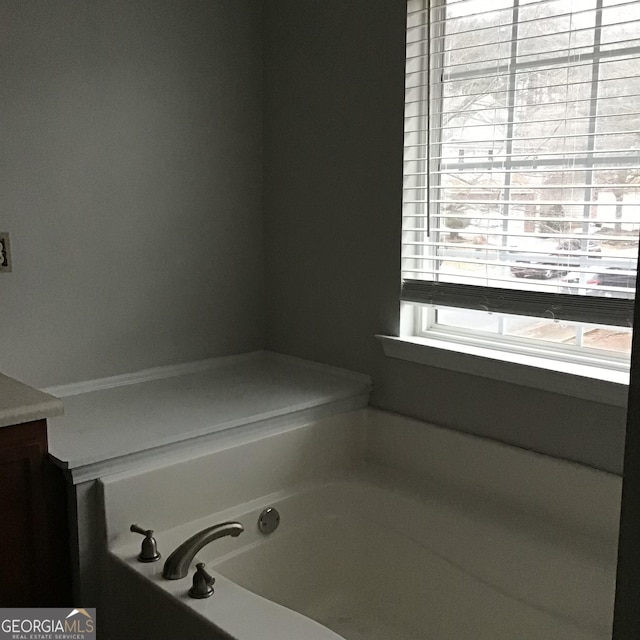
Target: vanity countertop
x,y
20,403
145,417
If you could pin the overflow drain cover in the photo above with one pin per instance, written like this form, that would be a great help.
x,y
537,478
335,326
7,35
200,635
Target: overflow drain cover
x,y
269,520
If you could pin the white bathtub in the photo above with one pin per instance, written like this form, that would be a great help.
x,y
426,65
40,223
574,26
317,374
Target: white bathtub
x,y
382,553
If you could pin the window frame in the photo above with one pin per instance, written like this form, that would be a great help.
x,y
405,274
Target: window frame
x,y
432,294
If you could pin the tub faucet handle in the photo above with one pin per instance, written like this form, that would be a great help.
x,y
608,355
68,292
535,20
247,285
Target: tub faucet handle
x,y
202,583
149,550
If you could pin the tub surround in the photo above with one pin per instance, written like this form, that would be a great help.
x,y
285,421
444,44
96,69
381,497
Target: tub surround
x,y
118,423
20,403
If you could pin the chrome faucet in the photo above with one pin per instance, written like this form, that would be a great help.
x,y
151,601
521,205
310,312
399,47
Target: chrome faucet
x,y
177,564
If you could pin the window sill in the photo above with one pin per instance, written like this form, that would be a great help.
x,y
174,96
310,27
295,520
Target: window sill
x,y
576,380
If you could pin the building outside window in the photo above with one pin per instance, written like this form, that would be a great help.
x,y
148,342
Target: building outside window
x,y
521,208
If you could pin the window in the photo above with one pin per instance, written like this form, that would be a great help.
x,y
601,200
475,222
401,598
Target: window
x,y
521,206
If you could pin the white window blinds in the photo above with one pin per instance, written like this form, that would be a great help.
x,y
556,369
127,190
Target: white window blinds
x,y
522,157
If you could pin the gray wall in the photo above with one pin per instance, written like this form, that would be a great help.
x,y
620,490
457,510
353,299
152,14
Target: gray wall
x,y
130,181
333,152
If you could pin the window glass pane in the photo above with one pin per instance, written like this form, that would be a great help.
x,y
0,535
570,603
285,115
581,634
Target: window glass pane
x,y
551,29
552,110
541,329
620,25
465,319
536,179
608,339
549,332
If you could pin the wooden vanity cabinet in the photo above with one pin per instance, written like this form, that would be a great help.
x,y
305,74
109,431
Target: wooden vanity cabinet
x,y
34,541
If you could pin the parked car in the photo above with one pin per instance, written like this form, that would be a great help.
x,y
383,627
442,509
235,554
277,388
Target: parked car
x,y
574,278
534,270
557,264
614,277
597,284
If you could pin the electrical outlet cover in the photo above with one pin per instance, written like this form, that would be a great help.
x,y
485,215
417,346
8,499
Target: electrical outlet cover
x,y
5,252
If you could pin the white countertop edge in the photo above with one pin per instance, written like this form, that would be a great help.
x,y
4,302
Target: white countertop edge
x,y
31,412
20,403
527,371
195,445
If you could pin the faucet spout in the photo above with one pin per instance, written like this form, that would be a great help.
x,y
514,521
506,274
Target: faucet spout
x,y
177,564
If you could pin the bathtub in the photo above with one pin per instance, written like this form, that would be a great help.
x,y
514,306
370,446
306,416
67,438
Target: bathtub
x,y
372,551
